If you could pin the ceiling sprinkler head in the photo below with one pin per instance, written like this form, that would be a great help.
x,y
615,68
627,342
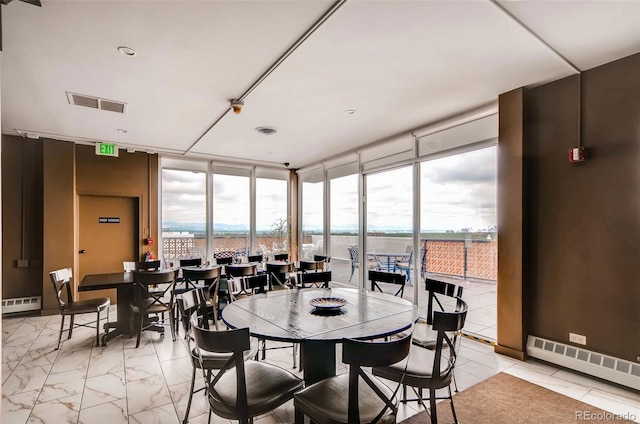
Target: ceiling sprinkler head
x,y
236,105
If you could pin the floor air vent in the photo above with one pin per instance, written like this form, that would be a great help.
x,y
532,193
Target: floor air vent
x,y
609,368
21,304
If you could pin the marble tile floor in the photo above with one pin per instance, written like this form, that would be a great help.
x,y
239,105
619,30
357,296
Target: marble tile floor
x,y
82,383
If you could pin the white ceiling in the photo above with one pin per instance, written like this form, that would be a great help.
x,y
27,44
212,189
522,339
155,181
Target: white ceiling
x,y
400,64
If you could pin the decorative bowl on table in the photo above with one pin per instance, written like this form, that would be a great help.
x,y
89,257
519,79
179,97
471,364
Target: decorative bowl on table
x,y
328,303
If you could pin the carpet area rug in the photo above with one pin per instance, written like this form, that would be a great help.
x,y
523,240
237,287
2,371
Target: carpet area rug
x,y
504,399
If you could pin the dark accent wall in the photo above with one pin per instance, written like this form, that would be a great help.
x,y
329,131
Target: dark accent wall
x,y
582,220
511,337
22,203
56,172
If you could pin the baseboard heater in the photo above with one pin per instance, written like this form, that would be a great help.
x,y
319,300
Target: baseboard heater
x,y
21,304
616,370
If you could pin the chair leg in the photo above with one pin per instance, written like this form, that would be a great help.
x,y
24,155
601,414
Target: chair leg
x,y
98,329
295,354
299,416
432,406
71,326
455,383
172,324
61,329
140,323
193,383
453,409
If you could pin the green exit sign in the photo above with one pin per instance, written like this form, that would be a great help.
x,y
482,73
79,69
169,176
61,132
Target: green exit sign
x,y
106,149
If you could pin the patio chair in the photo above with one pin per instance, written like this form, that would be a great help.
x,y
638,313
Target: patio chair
x,y
354,254
61,281
356,396
430,369
405,266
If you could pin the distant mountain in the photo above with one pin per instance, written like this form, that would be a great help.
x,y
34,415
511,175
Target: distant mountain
x,y
201,227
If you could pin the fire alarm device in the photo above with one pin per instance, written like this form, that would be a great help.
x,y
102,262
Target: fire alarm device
x,y
148,241
577,154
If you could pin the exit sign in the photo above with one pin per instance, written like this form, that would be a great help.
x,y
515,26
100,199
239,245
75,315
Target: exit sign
x,y
106,149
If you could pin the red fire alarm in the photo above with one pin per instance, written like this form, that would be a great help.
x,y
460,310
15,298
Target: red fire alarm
x,y
577,154
148,241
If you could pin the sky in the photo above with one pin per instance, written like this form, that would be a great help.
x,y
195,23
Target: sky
x,y
457,192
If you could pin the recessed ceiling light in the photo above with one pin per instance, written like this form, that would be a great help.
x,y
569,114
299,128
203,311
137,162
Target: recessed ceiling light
x,y
120,130
267,130
350,111
127,51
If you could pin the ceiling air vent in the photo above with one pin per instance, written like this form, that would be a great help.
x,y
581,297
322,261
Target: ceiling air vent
x,y
267,130
96,103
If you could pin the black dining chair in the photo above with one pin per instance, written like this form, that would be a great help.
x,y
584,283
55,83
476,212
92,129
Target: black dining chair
x,y
210,286
195,302
326,259
356,396
147,303
281,257
190,262
437,292
224,260
317,279
387,278
242,389
237,273
255,258
430,369
279,273
61,281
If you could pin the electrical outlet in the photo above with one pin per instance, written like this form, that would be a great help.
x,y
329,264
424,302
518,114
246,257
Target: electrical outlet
x,y
578,338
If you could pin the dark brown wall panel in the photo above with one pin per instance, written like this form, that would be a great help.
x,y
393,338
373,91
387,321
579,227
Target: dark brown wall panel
x,y
583,219
510,254
58,215
22,204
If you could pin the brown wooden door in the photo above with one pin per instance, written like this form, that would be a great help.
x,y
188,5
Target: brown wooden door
x,y
108,235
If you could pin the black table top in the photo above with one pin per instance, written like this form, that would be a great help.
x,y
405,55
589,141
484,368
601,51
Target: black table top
x,y
105,281
286,315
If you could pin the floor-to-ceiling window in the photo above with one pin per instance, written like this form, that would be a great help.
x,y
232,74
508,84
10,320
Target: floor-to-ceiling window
x,y
389,223
184,215
231,215
210,210
272,218
312,242
343,213
458,237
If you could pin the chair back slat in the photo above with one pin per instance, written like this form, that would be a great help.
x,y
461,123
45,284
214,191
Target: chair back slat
x,y
435,287
321,277
257,283
230,341
281,257
376,277
190,262
375,354
254,258
61,280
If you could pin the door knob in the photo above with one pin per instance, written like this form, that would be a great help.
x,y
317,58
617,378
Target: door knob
x,y
82,251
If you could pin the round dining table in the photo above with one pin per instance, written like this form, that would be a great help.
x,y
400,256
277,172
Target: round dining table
x,y
288,316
